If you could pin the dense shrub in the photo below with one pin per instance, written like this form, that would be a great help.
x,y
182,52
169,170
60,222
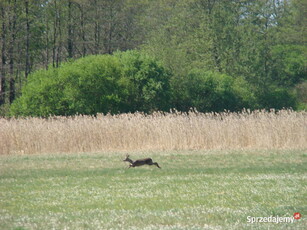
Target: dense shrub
x,y
289,65
124,82
277,98
144,83
85,86
40,96
211,91
132,81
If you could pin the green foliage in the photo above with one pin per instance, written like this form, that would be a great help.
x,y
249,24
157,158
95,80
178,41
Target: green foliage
x,y
290,64
301,92
4,110
123,82
91,85
85,86
145,83
132,81
40,96
259,40
211,91
277,98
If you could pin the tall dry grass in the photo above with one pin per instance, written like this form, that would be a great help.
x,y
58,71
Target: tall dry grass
x,y
284,129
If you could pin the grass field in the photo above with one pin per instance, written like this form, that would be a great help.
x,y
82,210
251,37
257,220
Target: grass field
x,y
193,190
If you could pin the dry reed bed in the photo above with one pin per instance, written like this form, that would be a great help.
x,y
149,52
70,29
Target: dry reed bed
x,y
285,129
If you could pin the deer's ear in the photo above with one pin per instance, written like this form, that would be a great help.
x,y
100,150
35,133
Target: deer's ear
x,y
127,155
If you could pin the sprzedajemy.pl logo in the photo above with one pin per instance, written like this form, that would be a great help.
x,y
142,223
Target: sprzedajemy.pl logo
x,y
273,219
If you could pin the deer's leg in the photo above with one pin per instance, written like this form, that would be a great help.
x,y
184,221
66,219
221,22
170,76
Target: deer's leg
x,y
155,163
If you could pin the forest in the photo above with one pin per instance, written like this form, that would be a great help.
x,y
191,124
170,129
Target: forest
x,y
66,57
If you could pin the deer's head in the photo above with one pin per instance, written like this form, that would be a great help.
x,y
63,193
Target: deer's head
x,y
127,158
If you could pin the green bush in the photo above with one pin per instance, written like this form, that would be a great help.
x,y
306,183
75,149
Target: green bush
x,y
85,86
211,91
40,96
123,82
132,81
290,64
144,83
277,98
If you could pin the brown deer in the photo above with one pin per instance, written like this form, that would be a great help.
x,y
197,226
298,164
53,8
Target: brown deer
x,y
140,162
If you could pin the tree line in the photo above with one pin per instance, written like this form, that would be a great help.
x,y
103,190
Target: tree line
x,y
262,43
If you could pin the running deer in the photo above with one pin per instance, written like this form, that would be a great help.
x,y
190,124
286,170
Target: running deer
x,y
140,162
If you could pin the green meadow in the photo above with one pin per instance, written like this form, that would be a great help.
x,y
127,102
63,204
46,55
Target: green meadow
x,y
216,189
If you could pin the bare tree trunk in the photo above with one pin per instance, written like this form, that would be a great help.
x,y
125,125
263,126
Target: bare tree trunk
x,y
27,69
70,46
82,25
214,49
54,34
59,48
3,57
11,53
110,29
97,28
83,32
47,41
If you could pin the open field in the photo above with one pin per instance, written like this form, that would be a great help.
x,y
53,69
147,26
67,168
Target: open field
x,y
203,189
285,129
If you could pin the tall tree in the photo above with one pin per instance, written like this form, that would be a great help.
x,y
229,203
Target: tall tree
x,y
70,45
12,26
27,58
3,52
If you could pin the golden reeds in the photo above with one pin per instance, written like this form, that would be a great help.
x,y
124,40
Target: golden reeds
x,y
285,129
